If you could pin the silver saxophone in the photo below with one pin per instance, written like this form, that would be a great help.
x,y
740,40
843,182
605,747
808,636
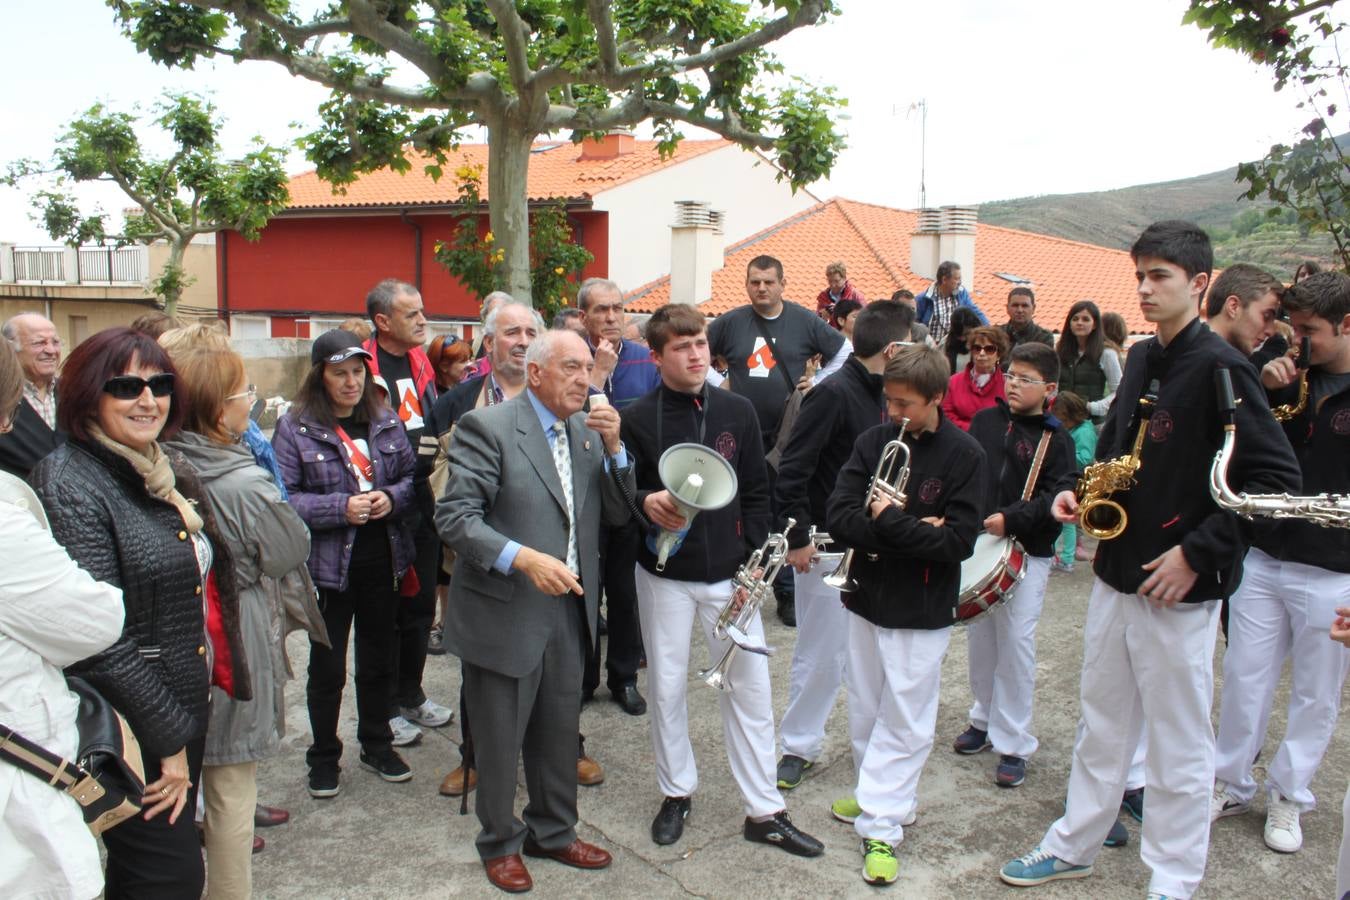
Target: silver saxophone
x,y
748,593
1327,510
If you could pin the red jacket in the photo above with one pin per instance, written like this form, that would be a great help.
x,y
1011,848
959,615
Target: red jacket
x,y
825,303
964,399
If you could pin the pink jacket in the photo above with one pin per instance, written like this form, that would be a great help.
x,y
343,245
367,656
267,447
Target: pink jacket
x,y
964,398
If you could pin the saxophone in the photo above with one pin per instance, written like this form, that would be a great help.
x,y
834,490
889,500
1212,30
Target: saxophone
x,y
1098,514
1287,411
1327,510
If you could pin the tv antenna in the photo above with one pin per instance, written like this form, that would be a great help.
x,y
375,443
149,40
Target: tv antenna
x,y
921,106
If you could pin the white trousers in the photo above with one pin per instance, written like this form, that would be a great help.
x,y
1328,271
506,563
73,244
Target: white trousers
x,y
668,609
1002,664
894,676
1343,863
817,661
1142,664
1282,609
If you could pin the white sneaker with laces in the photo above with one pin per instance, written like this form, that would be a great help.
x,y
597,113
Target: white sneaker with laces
x,y
429,715
1283,833
1224,803
405,732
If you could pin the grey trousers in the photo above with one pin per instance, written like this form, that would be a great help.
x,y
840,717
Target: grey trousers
x,y
536,716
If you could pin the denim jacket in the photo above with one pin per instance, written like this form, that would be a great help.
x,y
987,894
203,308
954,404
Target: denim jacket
x,y
318,481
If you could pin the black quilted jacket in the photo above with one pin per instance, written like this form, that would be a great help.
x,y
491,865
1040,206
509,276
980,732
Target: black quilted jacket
x,y
155,673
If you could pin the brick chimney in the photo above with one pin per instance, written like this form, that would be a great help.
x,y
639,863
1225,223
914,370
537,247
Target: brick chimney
x,y
943,234
695,251
611,146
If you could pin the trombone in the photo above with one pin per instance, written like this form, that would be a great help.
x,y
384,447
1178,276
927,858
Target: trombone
x,y
888,482
748,593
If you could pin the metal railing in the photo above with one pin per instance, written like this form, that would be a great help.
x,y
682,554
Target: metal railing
x,y
95,265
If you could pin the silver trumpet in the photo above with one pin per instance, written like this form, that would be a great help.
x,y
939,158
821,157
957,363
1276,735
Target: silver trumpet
x,y
888,482
1327,510
748,593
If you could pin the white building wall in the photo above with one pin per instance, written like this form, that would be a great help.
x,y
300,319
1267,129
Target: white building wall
x,y
737,181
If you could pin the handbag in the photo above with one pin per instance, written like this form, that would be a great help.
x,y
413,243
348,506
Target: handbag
x,y
107,778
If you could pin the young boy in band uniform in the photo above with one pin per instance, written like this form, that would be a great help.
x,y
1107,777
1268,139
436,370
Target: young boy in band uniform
x,y
907,567
1003,643
1296,574
695,584
1148,643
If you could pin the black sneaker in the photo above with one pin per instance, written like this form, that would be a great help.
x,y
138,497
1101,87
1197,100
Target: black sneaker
x,y
787,611
1011,771
971,741
323,782
669,822
389,765
1133,803
791,770
780,832
1117,836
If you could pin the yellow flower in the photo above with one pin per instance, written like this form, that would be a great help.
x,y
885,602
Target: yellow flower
x,y
488,238
559,270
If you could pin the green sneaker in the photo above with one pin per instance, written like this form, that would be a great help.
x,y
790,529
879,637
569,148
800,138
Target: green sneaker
x,y
846,809
879,863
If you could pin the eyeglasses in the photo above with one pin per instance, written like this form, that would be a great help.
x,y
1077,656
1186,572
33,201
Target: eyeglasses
x,y
984,348
1010,378
129,387
250,392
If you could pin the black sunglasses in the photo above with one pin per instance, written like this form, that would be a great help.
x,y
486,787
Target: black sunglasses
x,y
129,387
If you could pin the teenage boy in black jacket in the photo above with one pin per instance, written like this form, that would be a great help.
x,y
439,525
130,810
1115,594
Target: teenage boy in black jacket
x,y
907,566
1294,577
696,582
1148,644
1002,645
832,416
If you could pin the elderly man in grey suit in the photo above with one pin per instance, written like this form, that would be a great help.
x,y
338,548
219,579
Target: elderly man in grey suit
x,y
523,599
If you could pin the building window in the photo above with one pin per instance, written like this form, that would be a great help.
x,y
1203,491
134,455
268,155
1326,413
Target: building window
x,y
250,328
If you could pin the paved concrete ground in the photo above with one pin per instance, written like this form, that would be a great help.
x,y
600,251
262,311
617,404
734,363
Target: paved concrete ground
x,y
379,840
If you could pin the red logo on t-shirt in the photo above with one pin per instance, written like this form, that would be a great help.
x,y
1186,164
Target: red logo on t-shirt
x,y
726,445
1160,426
1023,450
930,490
1340,423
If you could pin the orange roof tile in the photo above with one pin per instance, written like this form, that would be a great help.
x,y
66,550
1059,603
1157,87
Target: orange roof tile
x,y
557,171
873,241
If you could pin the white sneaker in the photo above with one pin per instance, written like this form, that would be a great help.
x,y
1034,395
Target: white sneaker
x,y
428,715
1224,803
1283,833
405,732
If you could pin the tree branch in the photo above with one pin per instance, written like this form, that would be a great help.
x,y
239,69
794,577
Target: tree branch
x,y
599,13
514,34
166,222
368,22
244,11
807,14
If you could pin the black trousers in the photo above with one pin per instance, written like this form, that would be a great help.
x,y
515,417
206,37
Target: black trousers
x,y
618,556
155,860
370,604
416,613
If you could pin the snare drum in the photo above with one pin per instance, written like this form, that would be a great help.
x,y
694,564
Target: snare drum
x,y
989,576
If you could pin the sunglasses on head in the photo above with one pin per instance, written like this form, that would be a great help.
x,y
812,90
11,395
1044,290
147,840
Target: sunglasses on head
x,y
129,387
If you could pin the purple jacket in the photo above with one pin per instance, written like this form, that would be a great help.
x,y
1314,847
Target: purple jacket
x,y
319,481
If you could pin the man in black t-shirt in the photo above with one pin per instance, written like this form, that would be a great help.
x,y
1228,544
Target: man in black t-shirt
x,y
401,368
767,345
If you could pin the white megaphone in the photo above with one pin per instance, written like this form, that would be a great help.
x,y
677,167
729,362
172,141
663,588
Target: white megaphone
x,y
699,479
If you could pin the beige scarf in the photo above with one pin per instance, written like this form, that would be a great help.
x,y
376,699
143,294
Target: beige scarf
x,y
156,471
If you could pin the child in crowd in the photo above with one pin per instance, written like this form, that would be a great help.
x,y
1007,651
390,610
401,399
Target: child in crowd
x,y
1072,412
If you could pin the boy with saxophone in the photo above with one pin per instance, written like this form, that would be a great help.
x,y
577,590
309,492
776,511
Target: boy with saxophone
x,y
1148,643
1022,444
906,575
695,583
1295,575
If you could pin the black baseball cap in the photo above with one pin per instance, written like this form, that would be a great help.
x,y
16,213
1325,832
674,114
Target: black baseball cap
x,y
336,346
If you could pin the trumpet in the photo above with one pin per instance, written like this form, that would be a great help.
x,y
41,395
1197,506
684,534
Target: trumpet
x,y
748,593
888,482
1287,411
1098,514
1327,510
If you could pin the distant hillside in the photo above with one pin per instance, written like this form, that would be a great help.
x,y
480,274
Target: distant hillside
x,y
1115,218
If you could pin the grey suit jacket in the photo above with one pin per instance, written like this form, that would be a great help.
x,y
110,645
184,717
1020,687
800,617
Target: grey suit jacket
x,y
504,486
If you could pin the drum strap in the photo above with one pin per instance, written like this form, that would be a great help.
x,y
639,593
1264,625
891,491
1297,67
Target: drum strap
x,y
1036,463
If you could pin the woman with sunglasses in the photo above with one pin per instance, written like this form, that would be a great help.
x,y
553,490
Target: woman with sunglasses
x,y
348,469
266,541
980,384
128,512
1086,366
448,355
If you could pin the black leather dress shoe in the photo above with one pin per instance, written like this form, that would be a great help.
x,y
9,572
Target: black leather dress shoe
x,y
780,832
669,822
787,611
629,700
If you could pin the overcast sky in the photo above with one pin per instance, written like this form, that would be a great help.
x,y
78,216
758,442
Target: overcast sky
x,y
1024,96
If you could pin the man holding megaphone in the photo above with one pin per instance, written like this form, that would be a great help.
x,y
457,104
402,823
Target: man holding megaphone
x,y
730,518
